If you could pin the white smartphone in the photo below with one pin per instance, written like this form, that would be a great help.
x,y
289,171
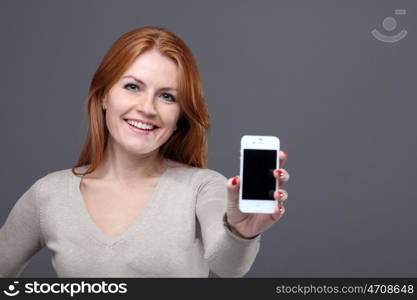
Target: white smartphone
x,y
259,157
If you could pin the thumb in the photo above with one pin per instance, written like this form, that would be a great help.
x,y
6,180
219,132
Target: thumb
x,y
233,186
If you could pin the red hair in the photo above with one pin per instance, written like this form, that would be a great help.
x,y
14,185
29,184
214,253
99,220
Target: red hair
x,y
188,144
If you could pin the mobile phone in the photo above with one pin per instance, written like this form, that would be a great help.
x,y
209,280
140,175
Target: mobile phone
x,y
259,157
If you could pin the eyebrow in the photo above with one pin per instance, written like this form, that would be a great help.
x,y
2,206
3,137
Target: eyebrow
x,y
141,82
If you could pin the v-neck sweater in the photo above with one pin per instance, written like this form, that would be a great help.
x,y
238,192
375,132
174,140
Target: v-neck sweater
x,y
180,232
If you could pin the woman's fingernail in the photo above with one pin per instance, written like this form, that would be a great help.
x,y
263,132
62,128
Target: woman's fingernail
x,y
281,195
234,181
280,173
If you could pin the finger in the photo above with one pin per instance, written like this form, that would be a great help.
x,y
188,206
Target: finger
x,y
279,212
282,175
233,185
283,156
233,182
281,195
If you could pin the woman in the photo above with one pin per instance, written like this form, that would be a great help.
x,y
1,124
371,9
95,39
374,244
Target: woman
x,y
140,202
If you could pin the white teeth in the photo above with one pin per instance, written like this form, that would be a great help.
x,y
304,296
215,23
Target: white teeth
x,y
140,125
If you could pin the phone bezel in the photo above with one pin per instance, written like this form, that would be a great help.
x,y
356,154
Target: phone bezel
x,y
260,142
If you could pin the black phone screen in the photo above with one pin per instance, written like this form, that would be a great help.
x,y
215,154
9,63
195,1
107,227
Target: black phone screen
x,y
259,182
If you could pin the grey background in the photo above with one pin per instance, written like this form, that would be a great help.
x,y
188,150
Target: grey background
x,y
309,72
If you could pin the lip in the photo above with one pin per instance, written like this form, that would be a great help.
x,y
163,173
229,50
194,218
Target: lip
x,y
142,121
141,131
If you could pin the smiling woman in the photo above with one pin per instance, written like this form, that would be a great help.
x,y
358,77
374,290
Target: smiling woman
x,y
156,68
140,116
140,201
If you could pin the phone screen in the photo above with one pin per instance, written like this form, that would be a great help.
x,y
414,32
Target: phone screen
x,y
259,182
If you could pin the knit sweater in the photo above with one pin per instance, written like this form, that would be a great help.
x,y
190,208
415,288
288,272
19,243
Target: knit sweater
x,y
180,232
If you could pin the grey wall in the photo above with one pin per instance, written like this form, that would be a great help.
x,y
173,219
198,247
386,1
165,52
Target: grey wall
x,y
310,72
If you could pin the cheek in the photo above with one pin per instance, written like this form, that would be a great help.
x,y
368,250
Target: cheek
x,y
172,122
113,120
175,115
170,116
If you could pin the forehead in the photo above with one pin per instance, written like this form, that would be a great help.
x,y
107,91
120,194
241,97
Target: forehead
x,y
154,69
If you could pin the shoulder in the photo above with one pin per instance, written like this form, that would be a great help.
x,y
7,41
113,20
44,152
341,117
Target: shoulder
x,y
196,177
208,175
45,186
58,176
55,181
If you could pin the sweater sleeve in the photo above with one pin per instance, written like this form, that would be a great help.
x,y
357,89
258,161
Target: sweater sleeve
x,y
20,236
227,254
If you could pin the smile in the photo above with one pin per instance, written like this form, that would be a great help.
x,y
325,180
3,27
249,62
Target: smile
x,y
141,128
141,125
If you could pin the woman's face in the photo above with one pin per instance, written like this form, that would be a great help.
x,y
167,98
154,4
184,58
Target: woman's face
x,y
145,92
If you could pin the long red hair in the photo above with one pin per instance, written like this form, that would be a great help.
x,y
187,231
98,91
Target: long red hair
x,y
188,144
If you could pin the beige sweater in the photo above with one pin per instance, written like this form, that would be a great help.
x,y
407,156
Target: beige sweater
x,y
179,233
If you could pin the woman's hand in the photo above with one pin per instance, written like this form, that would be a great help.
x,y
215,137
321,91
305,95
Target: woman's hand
x,y
249,225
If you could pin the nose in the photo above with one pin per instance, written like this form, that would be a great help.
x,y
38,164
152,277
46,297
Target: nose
x,y
147,104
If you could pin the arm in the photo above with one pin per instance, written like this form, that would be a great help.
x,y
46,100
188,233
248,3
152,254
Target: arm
x,y
227,254
20,236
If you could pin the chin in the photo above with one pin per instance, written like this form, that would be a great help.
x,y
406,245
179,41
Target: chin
x,y
142,150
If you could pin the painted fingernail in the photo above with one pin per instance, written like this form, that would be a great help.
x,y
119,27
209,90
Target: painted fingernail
x,y
234,181
281,195
280,173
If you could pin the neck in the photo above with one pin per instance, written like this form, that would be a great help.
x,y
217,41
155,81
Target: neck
x,y
129,169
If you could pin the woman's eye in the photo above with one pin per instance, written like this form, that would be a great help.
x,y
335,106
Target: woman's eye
x,y
165,95
135,87
129,87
